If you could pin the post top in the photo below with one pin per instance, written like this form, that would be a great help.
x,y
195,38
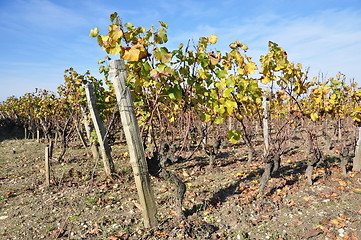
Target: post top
x,y
118,64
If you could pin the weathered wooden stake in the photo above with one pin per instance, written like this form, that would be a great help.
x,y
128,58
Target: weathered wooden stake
x,y
47,166
51,148
357,158
56,138
100,130
265,125
87,127
38,135
25,132
136,151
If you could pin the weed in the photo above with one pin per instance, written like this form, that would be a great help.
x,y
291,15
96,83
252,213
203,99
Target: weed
x,y
91,201
49,228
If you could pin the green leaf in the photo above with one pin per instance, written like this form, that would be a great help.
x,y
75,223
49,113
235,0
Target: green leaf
x,y
163,55
129,25
113,16
163,24
230,104
175,92
205,117
218,120
221,73
234,135
227,92
161,36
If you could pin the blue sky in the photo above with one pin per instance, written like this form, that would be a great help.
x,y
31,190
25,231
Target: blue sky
x,y
42,38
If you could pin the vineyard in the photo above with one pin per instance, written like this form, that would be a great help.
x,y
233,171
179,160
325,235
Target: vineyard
x,y
190,143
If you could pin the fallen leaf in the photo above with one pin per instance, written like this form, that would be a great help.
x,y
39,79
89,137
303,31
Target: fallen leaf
x,y
173,212
138,206
291,203
335,222
325,221
267,216
58,233
95,231
162,234
113,238
240,175
342,183
334,195
185,174
207,180
297,221
307,198
314,232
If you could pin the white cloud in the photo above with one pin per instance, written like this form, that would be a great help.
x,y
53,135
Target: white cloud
x,y
327,41
43,14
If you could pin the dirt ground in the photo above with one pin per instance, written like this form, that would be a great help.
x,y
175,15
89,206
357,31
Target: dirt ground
x,y
220,203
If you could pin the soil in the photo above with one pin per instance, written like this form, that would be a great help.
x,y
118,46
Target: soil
x,y
220,202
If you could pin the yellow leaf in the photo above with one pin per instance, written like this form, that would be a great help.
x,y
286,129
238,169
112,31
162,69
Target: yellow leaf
x,y
265,80
114,50
135,53
335,222
241,71
314,116
233,45
250,67
244,46
342,183
212,39
115,32
279,68
201,73
94,32
104,40
240,174
214,60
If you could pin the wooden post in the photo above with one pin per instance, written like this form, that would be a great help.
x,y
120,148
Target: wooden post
x,y
357,158
136,151
265,125
51,148
56,138
47,167
25,132
38,135
100,130
230,123
87,127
